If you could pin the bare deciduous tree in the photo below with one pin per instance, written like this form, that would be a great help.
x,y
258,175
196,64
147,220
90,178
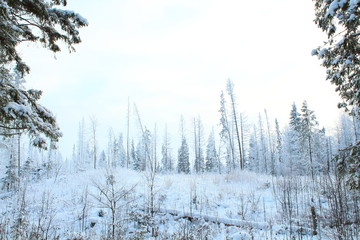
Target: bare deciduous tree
x,y
109,197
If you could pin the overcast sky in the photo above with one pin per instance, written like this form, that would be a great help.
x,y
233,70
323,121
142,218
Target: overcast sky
x,y
173,57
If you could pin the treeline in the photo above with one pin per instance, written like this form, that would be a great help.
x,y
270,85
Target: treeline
x,y
302,147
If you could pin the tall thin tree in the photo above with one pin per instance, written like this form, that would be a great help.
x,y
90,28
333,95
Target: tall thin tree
x,y
93,126
230,91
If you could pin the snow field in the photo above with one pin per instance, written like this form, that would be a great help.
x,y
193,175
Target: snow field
x,y
238,205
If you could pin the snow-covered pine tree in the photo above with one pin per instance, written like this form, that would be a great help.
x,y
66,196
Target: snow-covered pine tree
x,y
93,140
356,125
320,143
31,21
348,165
254,153
263,148
293,160
111,149
128,157
345,131
199,163
20,112
340,20
225,135
133,158
279,147
81,158
183,157
139,157
36,21
295,121
102,159
211,161
11,177
166,153
307,131
73,164
270,145
28,170
147,150
340,53
121,156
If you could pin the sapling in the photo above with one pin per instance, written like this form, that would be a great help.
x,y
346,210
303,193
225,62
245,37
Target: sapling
x,y
109,197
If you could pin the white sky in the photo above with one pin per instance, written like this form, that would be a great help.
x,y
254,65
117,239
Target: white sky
x,y
173,57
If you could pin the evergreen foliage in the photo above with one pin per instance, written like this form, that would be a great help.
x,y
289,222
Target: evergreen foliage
x,y
295,122
121,151
211,162
133,158
308,121
166,153
102,159
340,54
254,158
304,144
225,134
20,112
279,145
199,163
183,158
340,20
35,21
11,178
348,164
307,131
138,157
31,21
166,157
263,147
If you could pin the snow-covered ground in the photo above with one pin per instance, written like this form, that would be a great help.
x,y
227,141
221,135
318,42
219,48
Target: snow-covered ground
x,y
239,205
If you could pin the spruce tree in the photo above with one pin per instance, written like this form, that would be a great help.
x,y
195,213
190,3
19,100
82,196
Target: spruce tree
x,y
199,163
295,122
293,160
138,157
31,21
346,131
183,157
279,147
307,129
102,159
166,153
211,162
36,21
82,146
254,153
340,20
11,179
225,135
121,156
321,154
133,158
263,147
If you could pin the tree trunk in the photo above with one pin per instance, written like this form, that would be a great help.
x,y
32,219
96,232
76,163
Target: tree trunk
x,y
241,161
128,136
